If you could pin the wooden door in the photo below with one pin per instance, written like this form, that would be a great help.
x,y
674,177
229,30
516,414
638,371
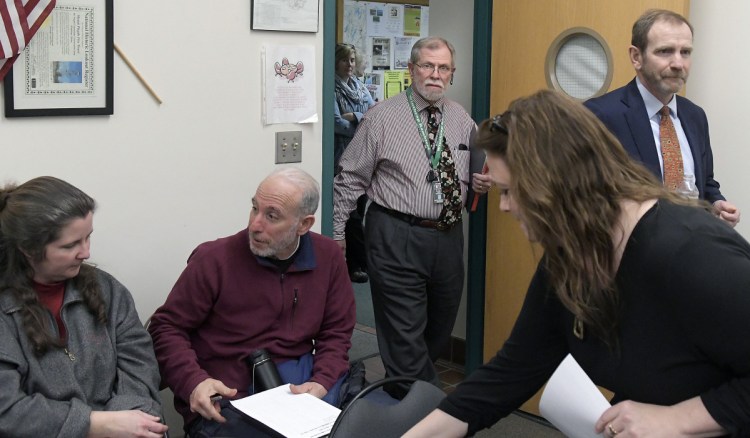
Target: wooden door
x,y
522,32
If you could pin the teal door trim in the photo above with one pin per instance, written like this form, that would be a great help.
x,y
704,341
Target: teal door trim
x,y
329,60
480,110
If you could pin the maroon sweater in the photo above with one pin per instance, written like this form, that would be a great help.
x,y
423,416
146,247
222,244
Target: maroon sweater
x,y
228,303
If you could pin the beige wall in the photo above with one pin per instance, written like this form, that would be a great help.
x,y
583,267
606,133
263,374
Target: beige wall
x,y
718,82
167,177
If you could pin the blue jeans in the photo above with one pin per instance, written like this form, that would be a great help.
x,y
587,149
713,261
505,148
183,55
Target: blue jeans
x,y
238,425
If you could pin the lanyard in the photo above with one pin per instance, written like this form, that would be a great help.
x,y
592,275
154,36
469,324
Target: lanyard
x,y
434,159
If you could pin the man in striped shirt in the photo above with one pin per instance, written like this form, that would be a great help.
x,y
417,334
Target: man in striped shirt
x,y
410,156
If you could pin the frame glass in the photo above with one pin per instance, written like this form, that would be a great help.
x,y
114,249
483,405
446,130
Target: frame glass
x,y
67,69
285,15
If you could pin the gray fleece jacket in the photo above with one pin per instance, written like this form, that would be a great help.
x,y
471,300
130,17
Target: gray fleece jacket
x,y
106,368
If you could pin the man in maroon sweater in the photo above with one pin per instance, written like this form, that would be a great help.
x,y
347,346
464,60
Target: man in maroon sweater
x,y
275,285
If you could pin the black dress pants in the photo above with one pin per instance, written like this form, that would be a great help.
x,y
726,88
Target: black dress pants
x,y
416,279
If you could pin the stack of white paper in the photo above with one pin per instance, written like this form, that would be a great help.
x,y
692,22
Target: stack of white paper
x,y
292,415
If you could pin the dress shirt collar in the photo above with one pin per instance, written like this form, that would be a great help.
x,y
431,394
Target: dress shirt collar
x,y
422,103
654,105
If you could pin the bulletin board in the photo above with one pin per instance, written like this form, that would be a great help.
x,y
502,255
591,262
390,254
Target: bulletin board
x,y
383,34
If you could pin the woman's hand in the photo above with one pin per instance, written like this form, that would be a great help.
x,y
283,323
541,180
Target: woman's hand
x,y
349,117
125,424
438,424
630,419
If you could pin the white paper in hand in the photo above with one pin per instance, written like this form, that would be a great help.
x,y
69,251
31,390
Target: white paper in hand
x,y
572,402
292,415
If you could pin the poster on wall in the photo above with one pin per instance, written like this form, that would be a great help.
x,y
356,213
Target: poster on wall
x,y
374,83
380,53
402,51
384,34
395,81
67,69
284,15
412,20
355,27
385,19
289,84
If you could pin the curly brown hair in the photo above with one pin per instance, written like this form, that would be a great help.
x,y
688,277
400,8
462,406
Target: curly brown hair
x,y
569,175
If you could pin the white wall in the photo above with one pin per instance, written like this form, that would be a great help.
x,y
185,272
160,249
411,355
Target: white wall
x,y
168,177
454,21
718,82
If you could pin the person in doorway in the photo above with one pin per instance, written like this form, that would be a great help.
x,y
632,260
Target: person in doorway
x,y
275,285
353,99
612,289
73,352
666,132
410,156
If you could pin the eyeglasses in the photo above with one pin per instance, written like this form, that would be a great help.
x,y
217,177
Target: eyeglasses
x,y
441,69
498,123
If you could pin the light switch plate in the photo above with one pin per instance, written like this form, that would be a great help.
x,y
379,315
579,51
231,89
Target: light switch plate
x,y
289,147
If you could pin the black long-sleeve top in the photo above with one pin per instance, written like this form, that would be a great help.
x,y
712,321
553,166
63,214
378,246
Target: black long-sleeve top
x,y
684,286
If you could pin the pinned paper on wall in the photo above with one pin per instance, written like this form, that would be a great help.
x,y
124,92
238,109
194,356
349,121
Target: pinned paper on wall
x,y
383,35
289,84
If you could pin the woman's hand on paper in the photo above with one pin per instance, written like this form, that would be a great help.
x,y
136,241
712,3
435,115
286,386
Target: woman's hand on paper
x,y
630,419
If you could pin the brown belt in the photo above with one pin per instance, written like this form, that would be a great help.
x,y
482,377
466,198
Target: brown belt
x,y
412,220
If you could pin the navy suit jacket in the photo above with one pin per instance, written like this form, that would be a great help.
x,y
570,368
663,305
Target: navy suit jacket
x,y
624,113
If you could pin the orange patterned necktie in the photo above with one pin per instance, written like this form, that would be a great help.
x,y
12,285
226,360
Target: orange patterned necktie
x,y
670,151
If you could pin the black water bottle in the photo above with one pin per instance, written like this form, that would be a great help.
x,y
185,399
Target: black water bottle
x,y
265,375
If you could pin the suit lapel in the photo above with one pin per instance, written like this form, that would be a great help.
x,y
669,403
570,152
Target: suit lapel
x,y
640,128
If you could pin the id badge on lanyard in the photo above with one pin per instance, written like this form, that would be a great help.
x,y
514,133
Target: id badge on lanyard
x,y
437,189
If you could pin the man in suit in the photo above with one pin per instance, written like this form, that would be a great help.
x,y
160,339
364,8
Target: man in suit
x,y
661,49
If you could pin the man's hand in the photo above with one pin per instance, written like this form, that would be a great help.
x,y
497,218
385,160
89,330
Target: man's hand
x,y
727,212
312,388
200,399
481,182
342,245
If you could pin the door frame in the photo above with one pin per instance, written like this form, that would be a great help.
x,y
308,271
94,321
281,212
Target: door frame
x,y
480,108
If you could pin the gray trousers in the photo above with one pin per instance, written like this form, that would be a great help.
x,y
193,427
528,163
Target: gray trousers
x,y
416,279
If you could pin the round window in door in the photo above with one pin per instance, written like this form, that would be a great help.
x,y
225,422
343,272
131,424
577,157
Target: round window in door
x,y
579,63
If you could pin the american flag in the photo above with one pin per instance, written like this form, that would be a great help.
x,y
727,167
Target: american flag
x,y
20,21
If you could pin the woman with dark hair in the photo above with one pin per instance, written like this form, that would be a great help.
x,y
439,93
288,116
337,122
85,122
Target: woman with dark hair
x,y
352,101
646,290
73,352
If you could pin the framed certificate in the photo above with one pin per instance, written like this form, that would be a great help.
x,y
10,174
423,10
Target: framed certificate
x,y
285,15
67,68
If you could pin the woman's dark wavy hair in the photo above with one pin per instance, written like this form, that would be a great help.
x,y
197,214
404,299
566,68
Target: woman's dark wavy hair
x,y
568,176
32,216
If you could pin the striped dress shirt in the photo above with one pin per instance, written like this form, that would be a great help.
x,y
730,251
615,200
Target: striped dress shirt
x,y
386,159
